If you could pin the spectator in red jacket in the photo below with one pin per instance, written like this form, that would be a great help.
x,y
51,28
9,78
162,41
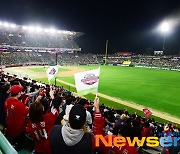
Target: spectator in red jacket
x,y
39,125
16,116
71,138
146,131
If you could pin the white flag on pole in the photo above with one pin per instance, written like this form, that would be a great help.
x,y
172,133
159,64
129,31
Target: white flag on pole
x,y
51,72
87,82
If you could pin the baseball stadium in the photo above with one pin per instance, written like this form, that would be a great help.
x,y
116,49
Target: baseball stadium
x,y
128,84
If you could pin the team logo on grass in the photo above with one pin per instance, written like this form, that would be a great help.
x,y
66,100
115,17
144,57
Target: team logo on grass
x,y
90,79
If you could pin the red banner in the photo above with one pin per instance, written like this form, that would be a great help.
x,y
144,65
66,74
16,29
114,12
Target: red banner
x,y
147,112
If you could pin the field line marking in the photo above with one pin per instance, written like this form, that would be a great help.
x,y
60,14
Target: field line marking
x,y
132,105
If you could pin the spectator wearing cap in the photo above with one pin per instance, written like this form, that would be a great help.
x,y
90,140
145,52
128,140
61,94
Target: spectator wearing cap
x,y
70,138
16,115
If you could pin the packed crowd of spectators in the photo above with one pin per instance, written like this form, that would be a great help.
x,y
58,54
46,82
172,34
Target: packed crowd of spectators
x,y
79,59
168,62
6,38
36,40
20,58
28,58
59,122
43,58
151,61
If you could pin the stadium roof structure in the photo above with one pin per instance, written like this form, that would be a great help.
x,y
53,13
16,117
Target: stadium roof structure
x,y
20,37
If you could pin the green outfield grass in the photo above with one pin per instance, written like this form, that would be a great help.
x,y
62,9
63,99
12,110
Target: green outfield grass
x,y
157,89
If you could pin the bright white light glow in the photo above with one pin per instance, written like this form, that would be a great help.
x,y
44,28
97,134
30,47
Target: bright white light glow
x,y
46,30
12,25
31,28
65,32
39,29
6,24
25,27
59,31
165,27
71,33
52,30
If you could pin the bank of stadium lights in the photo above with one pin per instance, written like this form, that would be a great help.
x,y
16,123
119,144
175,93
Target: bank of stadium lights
x,y
52,30
38,29
35,28
31,28
12,25
58,31
165,27
64,32
7,25
46,30
24,27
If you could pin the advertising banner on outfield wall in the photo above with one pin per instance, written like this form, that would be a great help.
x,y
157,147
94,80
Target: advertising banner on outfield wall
x,y
124,53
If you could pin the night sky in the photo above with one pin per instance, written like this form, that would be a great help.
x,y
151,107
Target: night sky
x,y
127,24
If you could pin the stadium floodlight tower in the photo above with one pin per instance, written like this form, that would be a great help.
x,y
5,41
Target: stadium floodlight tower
x,y
165,28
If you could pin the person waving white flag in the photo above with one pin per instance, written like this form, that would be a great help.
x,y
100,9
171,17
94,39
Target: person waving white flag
x,y
51,72
87,82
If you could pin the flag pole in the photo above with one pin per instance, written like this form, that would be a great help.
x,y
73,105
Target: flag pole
x,y
106,52
98,85
56,65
